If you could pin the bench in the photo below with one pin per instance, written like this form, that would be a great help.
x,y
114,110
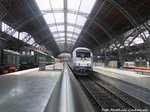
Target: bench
x,y
141,71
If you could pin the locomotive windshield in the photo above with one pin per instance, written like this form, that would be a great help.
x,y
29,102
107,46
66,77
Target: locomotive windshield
x,y
83,54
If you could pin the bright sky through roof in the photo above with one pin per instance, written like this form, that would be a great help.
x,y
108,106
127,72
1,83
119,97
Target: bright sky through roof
x,y
55,14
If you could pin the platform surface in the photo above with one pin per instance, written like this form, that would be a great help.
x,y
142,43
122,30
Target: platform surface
x,y
137,85
28,90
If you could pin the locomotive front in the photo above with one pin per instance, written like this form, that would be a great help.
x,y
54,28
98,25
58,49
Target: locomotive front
x,y
82,61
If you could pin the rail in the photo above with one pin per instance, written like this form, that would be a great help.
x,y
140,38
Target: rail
x,y
67,95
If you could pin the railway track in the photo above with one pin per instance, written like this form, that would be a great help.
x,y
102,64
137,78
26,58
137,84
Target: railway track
x,y
105,98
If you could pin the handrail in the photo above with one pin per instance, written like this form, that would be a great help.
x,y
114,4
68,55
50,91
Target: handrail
x,y
67,95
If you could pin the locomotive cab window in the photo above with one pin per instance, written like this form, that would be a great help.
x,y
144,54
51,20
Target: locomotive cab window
x,y
28,52
23,53
32,52
83,54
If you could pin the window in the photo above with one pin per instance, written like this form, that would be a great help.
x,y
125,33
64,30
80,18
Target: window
x,y
83,54
23,53
28,52
32,52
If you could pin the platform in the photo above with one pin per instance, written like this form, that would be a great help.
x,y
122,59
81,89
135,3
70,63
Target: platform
x,y
28,90
137,85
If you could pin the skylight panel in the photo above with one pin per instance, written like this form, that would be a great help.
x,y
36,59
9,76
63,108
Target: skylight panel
x,y
74,36
77,30
43,5
81,20
59,17
70,39
37,45
26,38
55,35
73,4
22,35
60,28
87,5
58,4
61,34
53,29
49,18
31,41
70,28
71,18
56,21
16,34
138,41
70,42
4,26
145,34
62,39
69,35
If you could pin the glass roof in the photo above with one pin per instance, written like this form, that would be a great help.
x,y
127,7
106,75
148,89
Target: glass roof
x,y
63,17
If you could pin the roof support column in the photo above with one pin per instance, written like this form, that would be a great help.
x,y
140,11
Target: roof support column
x,y
65,24
19,35
121,56
0,25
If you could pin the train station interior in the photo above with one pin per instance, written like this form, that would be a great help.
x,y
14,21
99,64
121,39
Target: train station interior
x,y
74,55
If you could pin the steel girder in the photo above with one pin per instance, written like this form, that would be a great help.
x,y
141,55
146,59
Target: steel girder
x,y
85,15
65,21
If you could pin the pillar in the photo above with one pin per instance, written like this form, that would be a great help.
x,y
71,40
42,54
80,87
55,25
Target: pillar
x,y
0,25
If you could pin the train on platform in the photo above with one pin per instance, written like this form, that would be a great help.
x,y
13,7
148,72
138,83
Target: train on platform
x,y
82,62
11,61
31,58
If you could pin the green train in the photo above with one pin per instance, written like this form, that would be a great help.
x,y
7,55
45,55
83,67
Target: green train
x,y
9,61
30,58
